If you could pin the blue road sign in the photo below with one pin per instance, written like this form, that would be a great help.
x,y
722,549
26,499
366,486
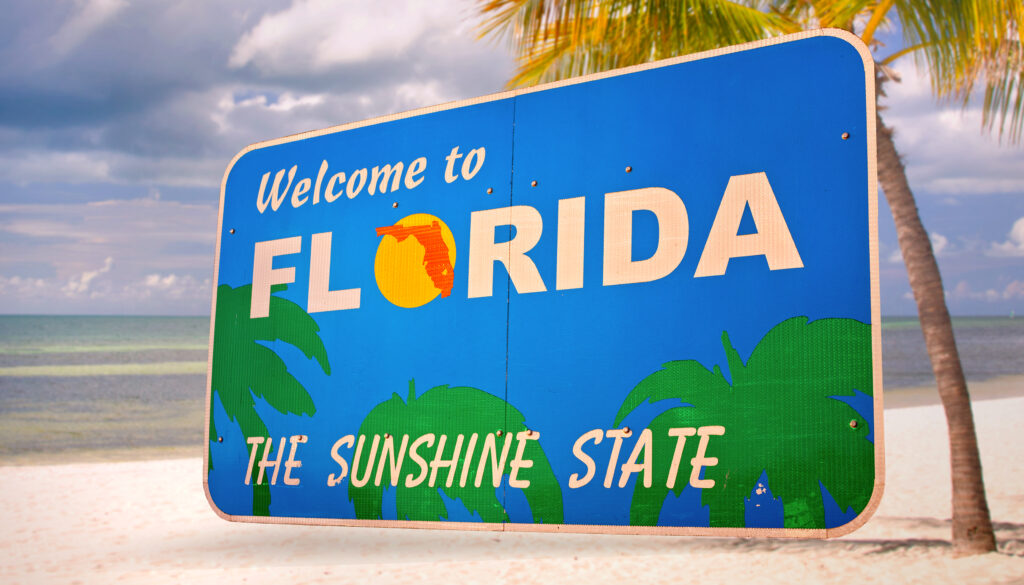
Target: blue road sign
x,y
644,301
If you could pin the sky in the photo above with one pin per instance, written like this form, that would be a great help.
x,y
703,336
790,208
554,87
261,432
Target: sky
x,y
118,119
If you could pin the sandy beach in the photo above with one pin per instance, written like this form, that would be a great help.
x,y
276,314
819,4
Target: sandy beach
x,y
149,522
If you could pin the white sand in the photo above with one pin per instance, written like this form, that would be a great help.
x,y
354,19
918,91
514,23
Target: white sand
x,y
148,522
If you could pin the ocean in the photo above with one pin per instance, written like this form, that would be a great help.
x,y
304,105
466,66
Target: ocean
x,y
75,385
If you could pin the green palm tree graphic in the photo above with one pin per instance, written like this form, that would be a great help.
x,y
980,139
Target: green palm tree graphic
x,y
449,411
779,417
244,369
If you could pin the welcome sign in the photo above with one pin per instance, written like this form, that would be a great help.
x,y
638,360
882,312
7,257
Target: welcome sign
x,y
644,301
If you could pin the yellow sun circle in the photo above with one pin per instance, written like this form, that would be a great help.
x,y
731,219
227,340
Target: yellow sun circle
x,y
415,260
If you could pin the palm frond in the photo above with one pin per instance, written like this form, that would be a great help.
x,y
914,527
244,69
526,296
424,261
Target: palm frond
x,y
969,45
555,39
840,13
285,394
295,326
665,383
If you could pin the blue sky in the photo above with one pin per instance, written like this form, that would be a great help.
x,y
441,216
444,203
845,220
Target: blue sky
x,y
117,120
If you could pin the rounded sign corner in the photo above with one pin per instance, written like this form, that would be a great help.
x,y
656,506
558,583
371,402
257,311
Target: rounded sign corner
x,y
235,160
865,515
858,45
213,504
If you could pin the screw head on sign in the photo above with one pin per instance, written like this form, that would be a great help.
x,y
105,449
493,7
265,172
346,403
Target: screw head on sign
x,y
395,205
498,433
629,169
220,439
846,136
387,435
533,183
853,424
231,231
490,190
627,430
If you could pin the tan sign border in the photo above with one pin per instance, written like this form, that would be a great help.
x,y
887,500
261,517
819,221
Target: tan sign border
x,y
876,331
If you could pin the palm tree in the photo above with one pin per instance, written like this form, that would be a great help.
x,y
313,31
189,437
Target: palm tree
x,y
821,442
244,369
966,44
451,412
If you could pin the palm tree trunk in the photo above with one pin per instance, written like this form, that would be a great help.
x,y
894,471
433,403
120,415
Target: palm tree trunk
x,y
972,525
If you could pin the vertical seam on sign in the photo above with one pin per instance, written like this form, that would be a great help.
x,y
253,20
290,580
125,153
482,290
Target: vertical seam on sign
x,y
508,297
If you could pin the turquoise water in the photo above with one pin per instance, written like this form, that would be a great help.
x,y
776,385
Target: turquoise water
x,y
988,346
41,335
71,384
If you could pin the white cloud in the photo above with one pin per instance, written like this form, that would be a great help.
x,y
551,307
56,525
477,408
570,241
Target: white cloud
x,y
415,94
152,290
1014,290
29,166
42,228
312,36
80,283
21,286
127,222
261,105
147,95
79,243
91,16
964,291
1014,244
944,149
285,103
169,286
160,96
26,166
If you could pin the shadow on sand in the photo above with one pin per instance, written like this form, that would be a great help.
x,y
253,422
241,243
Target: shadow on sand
x,y
313,545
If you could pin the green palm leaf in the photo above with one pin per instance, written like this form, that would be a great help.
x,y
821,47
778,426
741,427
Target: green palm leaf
x,y
291,325
286,395
965,44
779,416
563,38
243,368
450,411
